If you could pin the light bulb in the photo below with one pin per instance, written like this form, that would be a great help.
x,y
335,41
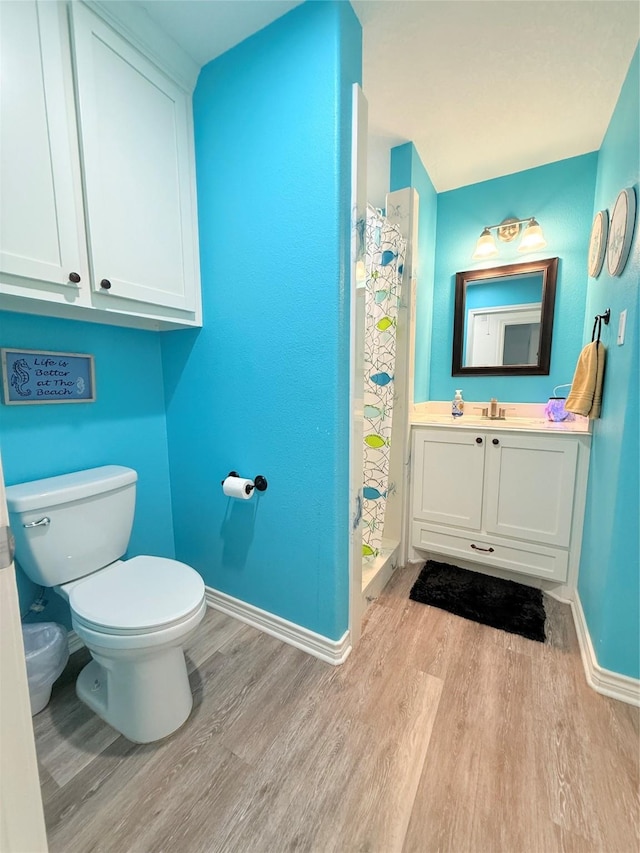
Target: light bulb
x,y
533,238
485,247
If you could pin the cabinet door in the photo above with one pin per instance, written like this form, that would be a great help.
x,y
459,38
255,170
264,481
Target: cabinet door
x,y
39,221
448,471
136,151
530,484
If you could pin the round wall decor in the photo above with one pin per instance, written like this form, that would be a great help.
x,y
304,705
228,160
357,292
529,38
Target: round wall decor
x,y
598,243
621,231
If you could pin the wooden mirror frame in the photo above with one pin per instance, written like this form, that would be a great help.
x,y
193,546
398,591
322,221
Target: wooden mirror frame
x,y
549,270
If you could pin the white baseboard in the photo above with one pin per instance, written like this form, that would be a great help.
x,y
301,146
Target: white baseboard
x,y
74,641
563,599
604,681
331,651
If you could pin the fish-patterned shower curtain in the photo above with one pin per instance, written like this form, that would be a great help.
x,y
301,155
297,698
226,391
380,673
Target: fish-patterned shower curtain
x,y
385,250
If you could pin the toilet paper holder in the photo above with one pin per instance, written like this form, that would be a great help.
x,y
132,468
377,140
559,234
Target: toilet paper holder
x,y
259,482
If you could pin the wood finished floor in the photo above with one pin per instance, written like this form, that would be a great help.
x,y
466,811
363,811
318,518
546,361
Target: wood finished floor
x,y
437,734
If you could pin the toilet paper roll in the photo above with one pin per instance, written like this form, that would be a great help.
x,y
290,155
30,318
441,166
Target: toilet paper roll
x,y
235,487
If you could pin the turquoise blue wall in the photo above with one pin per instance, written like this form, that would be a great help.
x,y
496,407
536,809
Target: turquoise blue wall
x,y
125,426
264,387
608,582
407,170
560,196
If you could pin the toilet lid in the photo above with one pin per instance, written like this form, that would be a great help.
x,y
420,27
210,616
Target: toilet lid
x,y
143,593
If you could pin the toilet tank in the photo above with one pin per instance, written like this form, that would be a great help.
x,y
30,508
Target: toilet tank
x,y
90,515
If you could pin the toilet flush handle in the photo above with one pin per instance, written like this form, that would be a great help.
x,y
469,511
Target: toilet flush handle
x,y
42,523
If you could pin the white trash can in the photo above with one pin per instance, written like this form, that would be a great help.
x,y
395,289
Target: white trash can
x,y
47,652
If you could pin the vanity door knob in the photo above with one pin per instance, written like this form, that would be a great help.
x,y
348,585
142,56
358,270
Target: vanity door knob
x,y
74,277
478,440
495,441
105,284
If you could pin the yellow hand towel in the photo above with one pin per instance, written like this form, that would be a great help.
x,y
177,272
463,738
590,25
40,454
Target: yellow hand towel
x,y
585,397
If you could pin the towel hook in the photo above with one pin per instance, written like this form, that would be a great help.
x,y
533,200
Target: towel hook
x,y
597,324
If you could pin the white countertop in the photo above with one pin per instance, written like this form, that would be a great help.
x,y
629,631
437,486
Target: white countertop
x,y
527,417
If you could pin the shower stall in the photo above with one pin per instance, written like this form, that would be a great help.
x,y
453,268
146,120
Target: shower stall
x,y
384,263
388,296
382,305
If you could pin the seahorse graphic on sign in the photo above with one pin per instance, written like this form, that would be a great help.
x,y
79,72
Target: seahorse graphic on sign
x,y
20,377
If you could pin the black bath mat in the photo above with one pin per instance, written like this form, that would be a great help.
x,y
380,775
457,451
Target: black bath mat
x,y
499,603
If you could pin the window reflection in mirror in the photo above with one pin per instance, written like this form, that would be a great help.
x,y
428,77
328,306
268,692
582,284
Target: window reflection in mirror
x,y
503,319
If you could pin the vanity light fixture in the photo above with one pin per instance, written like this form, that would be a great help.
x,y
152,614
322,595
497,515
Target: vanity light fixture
x,y
508,230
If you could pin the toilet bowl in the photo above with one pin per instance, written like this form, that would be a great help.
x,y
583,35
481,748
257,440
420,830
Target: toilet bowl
x,y
133,615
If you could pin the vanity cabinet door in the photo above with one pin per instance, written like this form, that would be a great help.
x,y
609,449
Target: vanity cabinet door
x,y
136,151
448,474
41,227
529,487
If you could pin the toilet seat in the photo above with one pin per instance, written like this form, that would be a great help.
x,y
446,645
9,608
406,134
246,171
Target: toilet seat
x,y
139,596
111,643
98,628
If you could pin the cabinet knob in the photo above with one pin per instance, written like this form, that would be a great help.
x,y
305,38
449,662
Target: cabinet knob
x,y
495,441
478,440
74,277
105,284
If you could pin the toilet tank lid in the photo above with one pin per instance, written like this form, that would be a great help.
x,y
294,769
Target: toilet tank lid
x,y
52,491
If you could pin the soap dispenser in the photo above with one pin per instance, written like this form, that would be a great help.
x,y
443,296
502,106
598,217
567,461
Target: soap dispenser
x,y
457,406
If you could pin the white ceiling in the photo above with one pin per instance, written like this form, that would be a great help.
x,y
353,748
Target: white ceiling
x,y
482,87
486,87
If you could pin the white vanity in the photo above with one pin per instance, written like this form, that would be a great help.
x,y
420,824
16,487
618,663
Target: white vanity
x,y
507,495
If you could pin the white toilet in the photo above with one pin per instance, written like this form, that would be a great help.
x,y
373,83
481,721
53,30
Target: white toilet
x,y
133,615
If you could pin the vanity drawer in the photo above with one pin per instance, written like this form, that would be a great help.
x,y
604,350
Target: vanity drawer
x,y
526,558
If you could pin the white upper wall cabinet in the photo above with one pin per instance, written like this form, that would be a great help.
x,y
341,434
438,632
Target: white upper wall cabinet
x,y
135,143
98,192
39,210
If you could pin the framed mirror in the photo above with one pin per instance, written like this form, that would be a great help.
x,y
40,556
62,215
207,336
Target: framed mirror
x,y
503,319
